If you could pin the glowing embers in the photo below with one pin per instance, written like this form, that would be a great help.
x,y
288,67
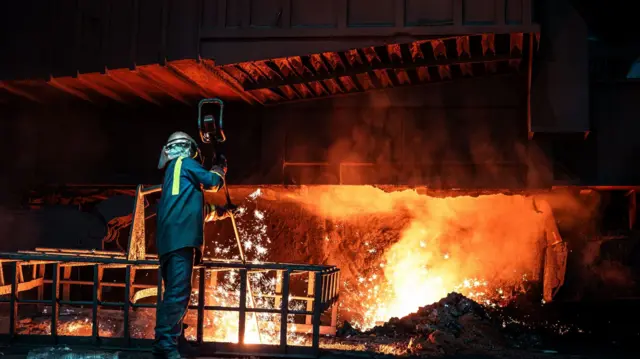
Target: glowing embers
x,y
401,250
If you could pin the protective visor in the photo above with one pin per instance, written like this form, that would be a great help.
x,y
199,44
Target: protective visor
x,y
165,157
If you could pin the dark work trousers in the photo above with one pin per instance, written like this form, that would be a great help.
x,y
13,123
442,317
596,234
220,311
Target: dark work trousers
x,y
176,268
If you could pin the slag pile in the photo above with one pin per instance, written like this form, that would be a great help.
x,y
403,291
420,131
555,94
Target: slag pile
x,y
455,324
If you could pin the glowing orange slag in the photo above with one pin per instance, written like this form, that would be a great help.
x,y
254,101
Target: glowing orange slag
x,y
483,247
398,251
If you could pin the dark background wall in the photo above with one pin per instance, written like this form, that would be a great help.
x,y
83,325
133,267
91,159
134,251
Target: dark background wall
x,y
471,133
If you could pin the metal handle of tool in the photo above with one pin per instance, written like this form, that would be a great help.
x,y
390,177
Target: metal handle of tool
x,y
220,137
243,258
205,135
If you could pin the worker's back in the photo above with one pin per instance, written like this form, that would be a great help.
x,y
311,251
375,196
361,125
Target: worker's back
x,y
180,211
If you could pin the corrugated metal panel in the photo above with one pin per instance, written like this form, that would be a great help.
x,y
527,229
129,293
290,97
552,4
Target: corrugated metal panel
x,y
295,78
65,37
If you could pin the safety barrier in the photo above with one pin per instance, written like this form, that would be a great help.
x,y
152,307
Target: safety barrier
x,y
52,268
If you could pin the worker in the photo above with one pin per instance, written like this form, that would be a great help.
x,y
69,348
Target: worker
x,y
182,213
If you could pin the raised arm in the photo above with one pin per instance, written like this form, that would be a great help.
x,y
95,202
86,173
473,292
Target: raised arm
x,y
210,180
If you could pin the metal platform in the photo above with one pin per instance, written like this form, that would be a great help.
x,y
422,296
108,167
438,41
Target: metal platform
x,y
24,272
26,276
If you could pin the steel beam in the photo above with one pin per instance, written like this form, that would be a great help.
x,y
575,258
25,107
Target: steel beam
x,y
348,33
360,69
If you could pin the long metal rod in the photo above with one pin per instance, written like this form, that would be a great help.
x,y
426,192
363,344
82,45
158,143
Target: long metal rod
x,y
244,261
249,291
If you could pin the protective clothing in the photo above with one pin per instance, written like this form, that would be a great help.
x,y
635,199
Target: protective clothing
x,y
181,207
179,144
179,236
176,268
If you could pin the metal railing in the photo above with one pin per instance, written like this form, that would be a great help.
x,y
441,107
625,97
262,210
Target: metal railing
x,y
321,297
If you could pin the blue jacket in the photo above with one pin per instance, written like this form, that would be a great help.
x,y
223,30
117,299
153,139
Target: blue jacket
x,y
181,210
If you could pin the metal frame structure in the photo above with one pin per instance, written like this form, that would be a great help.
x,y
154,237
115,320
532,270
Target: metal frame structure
x,y
324,296
321,297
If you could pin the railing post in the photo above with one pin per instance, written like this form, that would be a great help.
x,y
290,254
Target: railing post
x,y
278,298
310,293
334,293
201,304
317,311
55,295
41,272
242,310
95,330
284,310
127,304
13,300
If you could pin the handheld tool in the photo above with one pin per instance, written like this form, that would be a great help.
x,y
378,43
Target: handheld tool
x,y
211,128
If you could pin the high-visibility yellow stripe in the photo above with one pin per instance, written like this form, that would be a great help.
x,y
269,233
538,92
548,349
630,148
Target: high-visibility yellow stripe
x,y
175,190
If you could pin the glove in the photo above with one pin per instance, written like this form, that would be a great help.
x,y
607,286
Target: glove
x,y
217,213
230,210
222,162
221,171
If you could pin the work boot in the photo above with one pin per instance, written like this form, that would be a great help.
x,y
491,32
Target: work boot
x,y
184,347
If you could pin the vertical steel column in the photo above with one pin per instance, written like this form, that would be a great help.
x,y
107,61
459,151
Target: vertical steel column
x,y
127,304
95,332
317,311
41,271
242,310
284,310
325,288
201,304
334,294
55,294
13,300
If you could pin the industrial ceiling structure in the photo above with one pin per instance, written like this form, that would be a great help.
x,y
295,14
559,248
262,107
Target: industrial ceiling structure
x,y
288,79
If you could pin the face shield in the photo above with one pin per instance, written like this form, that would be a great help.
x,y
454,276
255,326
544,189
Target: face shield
x,y
179,145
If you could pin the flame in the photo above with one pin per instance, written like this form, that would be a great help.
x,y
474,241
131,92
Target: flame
x,y
483,247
